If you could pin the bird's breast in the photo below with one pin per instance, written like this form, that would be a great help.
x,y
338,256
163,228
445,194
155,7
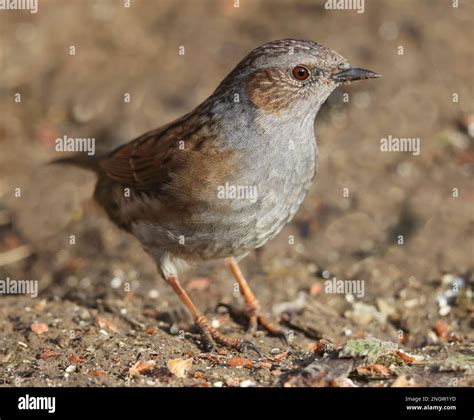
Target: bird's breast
x,y
283,187
247,207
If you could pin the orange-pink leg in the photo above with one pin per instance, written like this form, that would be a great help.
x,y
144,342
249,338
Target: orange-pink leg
x,y
209,334
253,307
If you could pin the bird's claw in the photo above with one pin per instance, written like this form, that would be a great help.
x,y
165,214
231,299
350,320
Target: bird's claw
x,y
247,345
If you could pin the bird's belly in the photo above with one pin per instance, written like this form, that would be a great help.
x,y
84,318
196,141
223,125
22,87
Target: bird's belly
x,y
281,203
250,211
280,193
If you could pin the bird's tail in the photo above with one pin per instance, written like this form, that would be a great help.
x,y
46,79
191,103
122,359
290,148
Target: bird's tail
x,y
81,160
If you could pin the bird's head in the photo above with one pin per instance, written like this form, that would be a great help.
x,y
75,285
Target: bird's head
x,y
291,74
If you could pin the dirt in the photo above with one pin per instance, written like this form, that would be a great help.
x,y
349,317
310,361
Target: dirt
x,y
101,307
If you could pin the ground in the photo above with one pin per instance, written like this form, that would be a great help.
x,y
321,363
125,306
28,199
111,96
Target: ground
x,y
402,223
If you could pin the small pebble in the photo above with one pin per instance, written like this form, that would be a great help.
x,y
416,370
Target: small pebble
x,y
411,303
444,310
232,382
71,369
447,279
174,330
442,300
432,336
215,323
218,384
275,350
299,248
154,294
85,314
116,282
312,268
247,384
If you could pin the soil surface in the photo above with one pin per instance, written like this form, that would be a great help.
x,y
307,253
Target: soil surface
x,y
401,223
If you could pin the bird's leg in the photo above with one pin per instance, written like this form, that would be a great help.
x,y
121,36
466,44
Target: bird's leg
x,y
198,318
209,334
253,306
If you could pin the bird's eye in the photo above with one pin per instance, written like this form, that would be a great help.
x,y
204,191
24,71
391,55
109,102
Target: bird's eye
x,y
300,73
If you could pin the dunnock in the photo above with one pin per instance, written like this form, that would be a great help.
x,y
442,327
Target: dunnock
x,y
225,178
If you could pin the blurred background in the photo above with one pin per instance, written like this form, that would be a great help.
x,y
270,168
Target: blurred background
x,y
349,226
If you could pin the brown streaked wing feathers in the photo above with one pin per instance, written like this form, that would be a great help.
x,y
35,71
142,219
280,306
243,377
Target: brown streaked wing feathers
x,y
141,163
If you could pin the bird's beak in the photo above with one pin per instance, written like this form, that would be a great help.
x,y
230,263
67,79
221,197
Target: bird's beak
x,y
354,73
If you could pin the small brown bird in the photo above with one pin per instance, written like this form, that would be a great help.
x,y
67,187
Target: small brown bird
x,y
225,178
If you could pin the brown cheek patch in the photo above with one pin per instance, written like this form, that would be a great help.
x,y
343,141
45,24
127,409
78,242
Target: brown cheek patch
x,y
267,91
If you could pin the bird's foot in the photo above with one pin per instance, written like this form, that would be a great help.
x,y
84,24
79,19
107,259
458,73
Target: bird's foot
x,y
272,328
255,316
211,336
258,319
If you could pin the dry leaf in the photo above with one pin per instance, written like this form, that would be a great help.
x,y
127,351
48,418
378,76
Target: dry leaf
x,y
4,358
315,289
141,367
240,361
41,305
405,357
151,330
98,373
39,328
199,374
320,346
47,354
282,356
179,367
106,324
314,347
75,359
373,370
441,329
342,383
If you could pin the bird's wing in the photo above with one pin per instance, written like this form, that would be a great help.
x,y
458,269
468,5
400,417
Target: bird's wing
x,y
145,162
175,156
137,163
